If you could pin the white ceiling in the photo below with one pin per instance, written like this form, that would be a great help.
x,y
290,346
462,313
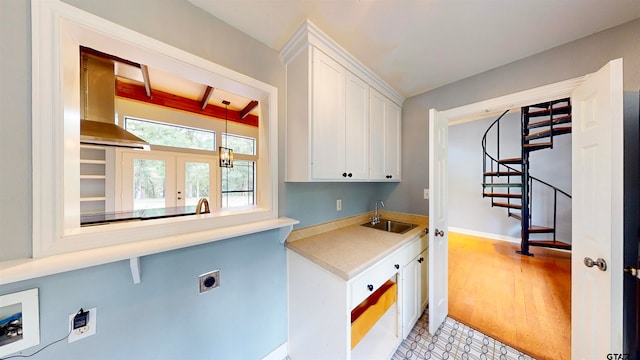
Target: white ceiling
x,y
418,45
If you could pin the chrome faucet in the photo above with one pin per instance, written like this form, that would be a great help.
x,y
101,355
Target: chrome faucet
x,y
376,217
199,206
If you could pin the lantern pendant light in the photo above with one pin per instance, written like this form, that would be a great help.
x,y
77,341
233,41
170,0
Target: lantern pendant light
x,y
226,154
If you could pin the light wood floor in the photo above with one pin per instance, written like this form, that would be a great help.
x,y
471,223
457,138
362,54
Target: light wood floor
x,y
524,302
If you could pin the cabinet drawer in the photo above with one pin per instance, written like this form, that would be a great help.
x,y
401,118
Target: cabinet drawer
x,y
414,248
367,282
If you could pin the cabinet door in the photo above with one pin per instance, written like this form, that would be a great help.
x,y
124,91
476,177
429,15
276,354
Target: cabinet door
x,y
377,113
356,128
392,134
424,281
328,118
410,295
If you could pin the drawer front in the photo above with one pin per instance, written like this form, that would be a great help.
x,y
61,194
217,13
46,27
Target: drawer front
x,y
367,282
414,248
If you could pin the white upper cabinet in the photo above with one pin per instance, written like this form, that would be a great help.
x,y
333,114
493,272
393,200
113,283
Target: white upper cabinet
x,y
333,118
384,141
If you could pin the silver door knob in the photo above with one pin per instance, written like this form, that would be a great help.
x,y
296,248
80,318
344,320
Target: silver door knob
x,y
599,263
439,232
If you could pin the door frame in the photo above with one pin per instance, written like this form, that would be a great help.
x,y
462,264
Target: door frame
x,y
495,106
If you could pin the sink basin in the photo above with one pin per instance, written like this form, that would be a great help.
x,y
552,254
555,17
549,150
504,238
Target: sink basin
x,y
395,227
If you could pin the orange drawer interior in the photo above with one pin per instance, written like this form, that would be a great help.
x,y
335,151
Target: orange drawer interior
x,y
367,313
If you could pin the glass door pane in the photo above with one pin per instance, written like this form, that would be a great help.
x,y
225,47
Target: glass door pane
x,y
197,182
149,184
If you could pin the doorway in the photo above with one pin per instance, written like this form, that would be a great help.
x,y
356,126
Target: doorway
x,y
597,222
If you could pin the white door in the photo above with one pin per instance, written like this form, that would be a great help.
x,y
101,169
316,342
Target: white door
x,y
597,176
438,220
377,113
392,141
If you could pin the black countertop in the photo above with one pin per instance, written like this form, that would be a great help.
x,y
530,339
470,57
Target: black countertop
x,y
135,215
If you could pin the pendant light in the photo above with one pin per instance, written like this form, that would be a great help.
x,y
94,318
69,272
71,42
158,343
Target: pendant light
x,y
226,154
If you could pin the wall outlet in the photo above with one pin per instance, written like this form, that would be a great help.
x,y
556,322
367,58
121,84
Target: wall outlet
x,y
339,205
83,332
426,194
209,281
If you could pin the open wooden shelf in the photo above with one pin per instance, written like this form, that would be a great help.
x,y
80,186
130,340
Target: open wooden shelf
x,y
367,313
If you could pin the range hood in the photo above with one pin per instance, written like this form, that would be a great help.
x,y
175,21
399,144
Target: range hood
x,y
97,106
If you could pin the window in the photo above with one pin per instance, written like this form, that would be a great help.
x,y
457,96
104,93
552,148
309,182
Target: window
x,y
61,29
157,133
238,184
239,144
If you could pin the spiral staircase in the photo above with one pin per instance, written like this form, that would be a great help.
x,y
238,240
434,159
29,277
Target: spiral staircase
x,y
508,182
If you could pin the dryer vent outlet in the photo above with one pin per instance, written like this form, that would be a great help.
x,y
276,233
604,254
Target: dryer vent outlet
x,y
209,281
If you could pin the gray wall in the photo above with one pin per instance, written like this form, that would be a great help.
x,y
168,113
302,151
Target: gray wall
x,y
561,63
246,316
470,211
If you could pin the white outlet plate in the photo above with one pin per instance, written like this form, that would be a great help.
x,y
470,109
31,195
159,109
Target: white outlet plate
x,y
89,330
426,194
339,205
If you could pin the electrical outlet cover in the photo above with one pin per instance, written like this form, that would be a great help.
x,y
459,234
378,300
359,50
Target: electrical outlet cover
x,y
85,331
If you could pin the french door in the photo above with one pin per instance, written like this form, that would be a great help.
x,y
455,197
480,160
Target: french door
x,y
156,179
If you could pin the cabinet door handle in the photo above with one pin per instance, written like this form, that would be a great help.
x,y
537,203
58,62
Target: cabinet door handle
x,y
344,174
350,175
397,266
421,260
370,287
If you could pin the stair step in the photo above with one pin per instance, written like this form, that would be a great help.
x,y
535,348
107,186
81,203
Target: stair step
x,y
547,133
502,185
537,146
502,173
507,205
556,121
550,244
502,195
515,216
510,161
540,229
546,112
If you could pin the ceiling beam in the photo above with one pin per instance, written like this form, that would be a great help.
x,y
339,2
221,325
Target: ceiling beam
x,y
205,97
247,109
145,77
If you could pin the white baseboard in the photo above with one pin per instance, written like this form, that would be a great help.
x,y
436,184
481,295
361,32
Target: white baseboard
x,y
279,353
510,239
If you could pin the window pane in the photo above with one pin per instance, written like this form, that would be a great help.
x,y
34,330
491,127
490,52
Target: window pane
x,y
239,144
196,182
149,184
171,135
238,184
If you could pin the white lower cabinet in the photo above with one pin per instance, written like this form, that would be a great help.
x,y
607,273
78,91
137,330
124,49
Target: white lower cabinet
x,y
415,280
362,318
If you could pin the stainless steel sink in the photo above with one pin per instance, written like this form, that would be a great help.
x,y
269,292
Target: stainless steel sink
x,y
396,227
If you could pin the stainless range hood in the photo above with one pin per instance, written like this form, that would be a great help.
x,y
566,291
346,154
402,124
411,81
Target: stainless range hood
x,y
97,106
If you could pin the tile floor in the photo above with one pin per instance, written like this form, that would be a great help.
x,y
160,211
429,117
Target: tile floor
x,y
453,340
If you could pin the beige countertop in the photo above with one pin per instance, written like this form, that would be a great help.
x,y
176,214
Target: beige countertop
x,y
345,248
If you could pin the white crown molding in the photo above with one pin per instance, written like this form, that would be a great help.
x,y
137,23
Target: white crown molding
x,y
309,34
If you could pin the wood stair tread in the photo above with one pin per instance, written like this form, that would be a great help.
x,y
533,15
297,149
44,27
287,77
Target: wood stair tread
x,y
550,244
546,112
507,205
540,229
515,216
502,195
538,146
546,133
556,121
511,161
502,173
502,185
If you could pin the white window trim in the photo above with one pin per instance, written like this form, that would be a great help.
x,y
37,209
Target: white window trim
x,y
57,31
